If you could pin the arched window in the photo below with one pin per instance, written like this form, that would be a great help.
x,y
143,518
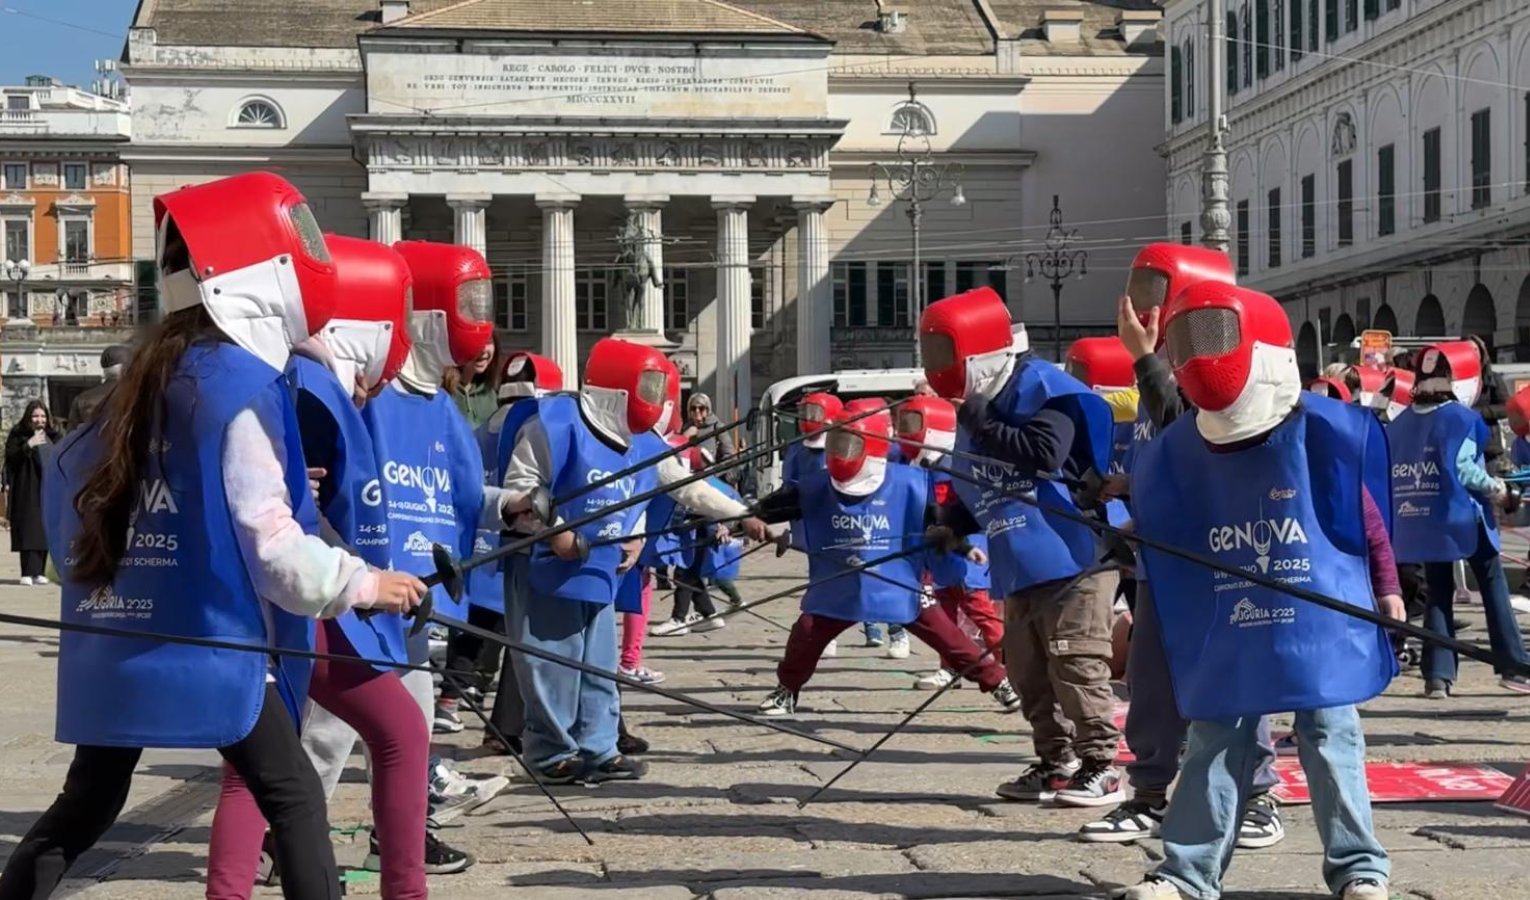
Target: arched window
x,y
1189,57
258,112
1232,53
1176,85
912,119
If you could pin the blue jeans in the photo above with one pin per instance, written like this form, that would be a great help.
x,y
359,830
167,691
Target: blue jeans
x,y
568,714
1440,664
1154,729
1215,783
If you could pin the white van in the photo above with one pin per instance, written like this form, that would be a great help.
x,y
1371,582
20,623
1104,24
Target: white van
x,y
772,427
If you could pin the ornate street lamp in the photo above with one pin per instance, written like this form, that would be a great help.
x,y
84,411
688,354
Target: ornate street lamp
x,y
916,180
17,270
1056,263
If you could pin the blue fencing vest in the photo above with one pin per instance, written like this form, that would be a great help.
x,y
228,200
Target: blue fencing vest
x,y
1121,444
721,561
432,479
1032,545
841,529
486,584
801,462
182,573
955,569
1438,519
1290,509
1519,453
355,509
580,458
674,548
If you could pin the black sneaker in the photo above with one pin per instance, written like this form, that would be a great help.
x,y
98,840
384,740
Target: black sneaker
x,y
630,744
1131,821
1519,684
441,859
1096,783
617,768
494,746
1007,697
565,772
1040,781
267,872
1261,826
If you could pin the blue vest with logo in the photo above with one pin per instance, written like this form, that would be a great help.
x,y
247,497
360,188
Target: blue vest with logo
x,y
1121,444
840,529
721,561
955,569
1031,544
486,584
182,573
355,506
801,462
1291,510
1438,519
580,458
432,478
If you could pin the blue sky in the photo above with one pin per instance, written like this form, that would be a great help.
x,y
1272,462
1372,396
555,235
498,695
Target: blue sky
x,y
62,38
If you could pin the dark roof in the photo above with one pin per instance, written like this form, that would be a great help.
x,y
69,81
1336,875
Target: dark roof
x,y
952,27
604,16
265,23
1098,34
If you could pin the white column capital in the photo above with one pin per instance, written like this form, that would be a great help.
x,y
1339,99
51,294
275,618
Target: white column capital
x,y
814,202
732,201
645,201
557,201
378,201
468,201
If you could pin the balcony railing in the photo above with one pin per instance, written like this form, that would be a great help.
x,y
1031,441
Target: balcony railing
x,y
80,122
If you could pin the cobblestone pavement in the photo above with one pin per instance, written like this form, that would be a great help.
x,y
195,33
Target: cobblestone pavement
x,y
718,817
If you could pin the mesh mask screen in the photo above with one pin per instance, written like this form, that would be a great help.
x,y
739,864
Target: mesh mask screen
x,y
1202,333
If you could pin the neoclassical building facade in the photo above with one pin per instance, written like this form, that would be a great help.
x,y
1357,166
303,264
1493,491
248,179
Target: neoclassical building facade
x,y
1379,162
734,145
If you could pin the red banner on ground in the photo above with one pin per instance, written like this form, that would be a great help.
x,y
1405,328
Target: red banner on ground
x,y
1517,798
1405,782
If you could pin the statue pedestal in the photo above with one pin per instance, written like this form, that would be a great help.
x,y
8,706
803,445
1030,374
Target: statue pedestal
x,y
656,339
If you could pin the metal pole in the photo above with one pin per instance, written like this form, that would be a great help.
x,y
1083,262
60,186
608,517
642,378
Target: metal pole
x,y
916,296
1057,350
1215,218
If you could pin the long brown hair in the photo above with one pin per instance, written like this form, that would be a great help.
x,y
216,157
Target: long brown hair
x,y
128,419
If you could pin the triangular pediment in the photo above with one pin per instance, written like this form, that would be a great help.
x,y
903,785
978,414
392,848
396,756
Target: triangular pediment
x,y
656,17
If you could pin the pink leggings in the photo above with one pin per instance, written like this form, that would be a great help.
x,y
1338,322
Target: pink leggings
x,y
635,627
379,707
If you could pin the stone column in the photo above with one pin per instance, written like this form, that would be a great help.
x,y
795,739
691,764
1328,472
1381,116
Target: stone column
x,y
646,214
471,214
815,299
387,214
560,339
735,395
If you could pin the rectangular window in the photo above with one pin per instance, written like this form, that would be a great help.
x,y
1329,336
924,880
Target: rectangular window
x,y
511,295
1432,175
1232,53
1190,80
1186,236
892,294
1278,48
677,300
15,176
1527,142
1176,89
1272,228
590,300
1313,17
1351,15
759,277
1346,191
1393,4
1309,216
850,294
1386,191
17,102
1243,236
76,240
74,176
934,282
1262,37
1482,158
1248,48
975,274
1297,32
1331,20
1372,9
18,239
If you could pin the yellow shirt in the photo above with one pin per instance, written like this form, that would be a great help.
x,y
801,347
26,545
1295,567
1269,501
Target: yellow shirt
x,y
1123,404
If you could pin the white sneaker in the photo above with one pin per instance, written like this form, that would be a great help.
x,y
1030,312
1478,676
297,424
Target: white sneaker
x,y
25,581
937,680
452,794
898,647
708,623
670,628
779,703
1151,888
1365,889
831,651
40,580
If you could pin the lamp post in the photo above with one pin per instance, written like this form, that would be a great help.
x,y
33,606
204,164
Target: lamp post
x,y
1055,264
916,180
17,270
